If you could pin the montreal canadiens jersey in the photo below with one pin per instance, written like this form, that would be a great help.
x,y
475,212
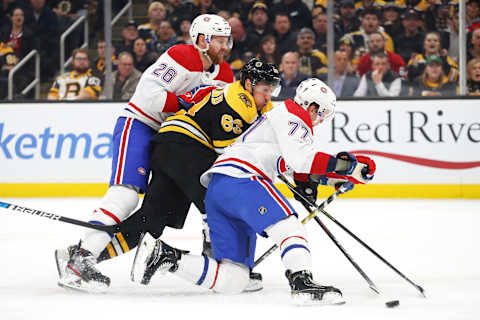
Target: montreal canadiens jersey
x,y
218,119
176,71
280,140
68,85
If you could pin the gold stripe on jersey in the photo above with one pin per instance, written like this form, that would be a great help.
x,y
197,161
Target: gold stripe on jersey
x,y
223,143
185,132
238,98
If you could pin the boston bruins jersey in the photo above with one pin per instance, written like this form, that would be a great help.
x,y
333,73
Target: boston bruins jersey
x,y
219,119
68,85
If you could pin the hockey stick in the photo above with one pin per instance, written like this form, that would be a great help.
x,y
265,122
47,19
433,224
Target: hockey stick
x,y
304,221
55,217
419,288
330,235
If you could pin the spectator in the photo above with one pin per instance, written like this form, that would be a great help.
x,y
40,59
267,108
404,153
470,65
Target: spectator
x,y
300,15
346,44
452,32
67,12
473,77
125,78
177,11
156,14
381,82
203,7
184,35
392,22
258,27
224,14
286,39
474,51
241,43
268,50
431,46
98,66
369,24
241,9
78,84
142,59
6,9
410,42
348,21
344,83
129,33
319,23
163,39
16,35
312,62
44,25
472,11
362,5
8,60
376,44
433,81
290,77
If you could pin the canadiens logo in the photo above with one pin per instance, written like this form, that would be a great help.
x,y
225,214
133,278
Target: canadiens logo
x,y
142,171
206,19
245,99
262,210
323,89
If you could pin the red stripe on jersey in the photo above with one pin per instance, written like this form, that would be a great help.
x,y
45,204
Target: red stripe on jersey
x,y
216,276
187,56
111,215
292,237
320,163
171,103
143,113
275,195
251,166
301,176
225,73
123,145
295,109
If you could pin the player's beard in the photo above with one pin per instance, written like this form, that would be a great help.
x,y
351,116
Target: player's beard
x,y
216,58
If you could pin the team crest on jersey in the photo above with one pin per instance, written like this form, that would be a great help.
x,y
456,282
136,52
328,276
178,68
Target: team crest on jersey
x,y
245,100
142,171
262,210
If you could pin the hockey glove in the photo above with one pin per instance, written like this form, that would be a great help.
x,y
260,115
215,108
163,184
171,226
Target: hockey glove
x,y
359,170
334,181
189,99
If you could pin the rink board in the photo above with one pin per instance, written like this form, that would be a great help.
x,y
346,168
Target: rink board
x,y
423,148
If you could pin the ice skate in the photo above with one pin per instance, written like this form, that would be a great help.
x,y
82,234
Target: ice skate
x,y
79,272
255,283
152,256
306,292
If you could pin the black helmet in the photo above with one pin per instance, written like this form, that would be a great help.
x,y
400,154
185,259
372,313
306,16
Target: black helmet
x,y
258,71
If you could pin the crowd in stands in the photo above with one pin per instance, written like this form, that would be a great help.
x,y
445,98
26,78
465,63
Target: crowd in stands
x,y
382,47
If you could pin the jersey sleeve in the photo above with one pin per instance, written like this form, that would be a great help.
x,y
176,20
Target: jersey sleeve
x,y
94,85
54,90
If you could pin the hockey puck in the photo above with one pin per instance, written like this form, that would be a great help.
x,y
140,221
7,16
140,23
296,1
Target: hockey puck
x,y
392,304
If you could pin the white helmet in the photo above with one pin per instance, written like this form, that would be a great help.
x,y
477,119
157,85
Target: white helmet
x,y
316,91
210,25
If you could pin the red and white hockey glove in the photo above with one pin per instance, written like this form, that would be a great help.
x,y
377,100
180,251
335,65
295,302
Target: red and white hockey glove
x,y
359,169
189,99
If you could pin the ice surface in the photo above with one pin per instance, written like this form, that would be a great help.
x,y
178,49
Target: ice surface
x,y
433,242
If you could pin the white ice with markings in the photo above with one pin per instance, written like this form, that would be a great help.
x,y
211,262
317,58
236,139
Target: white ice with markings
x,y
435,243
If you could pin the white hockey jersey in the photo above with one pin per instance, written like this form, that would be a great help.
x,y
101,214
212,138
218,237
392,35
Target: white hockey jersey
x,y
281,140
176,71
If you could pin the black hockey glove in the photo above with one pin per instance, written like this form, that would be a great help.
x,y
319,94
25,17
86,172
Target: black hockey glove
x,y
308,190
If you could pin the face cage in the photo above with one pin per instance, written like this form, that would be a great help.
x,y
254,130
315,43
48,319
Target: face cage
x,y
208,39
323,117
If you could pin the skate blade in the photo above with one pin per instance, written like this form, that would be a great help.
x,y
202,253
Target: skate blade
x,y
144,249
254,285
61,259
73,283
307,299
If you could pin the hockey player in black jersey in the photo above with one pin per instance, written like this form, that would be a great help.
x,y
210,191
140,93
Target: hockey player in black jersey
x,y
186,145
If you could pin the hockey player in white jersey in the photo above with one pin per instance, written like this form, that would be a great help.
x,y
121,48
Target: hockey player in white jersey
x,y
180,69
242,201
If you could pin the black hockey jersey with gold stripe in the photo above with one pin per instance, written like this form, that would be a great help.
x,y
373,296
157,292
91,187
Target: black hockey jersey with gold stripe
x,y
219,119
